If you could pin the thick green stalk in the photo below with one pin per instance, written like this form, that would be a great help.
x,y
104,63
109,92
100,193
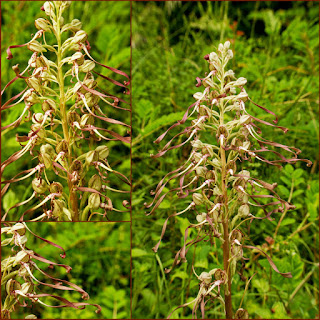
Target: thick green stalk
x,y
62,105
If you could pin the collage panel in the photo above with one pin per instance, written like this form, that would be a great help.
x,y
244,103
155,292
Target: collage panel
x,y
53,270
66,113
209,203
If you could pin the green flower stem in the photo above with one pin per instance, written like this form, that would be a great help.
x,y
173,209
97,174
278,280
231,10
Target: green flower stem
x,y
73,195
225,221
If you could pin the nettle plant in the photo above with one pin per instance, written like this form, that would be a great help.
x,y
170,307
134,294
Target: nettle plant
x,y
20,273
222,135
68,124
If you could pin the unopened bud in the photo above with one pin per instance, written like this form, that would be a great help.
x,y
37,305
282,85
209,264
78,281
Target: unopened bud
x,y
103,152
91,156
57,208
48,105
62,146
94,201
95,182
56,187
42,24
198,198
244,211
205,277
36,46
241,314
80,36
86,119
49,9
12,285
22,256
87,66
201,171
75,25
39,185
78,58
47,149
201,217
72,117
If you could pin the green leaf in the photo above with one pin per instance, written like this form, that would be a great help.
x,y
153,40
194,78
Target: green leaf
x,y
9,200
261,284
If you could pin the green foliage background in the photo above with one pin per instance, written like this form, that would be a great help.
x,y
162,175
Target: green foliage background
x,y
275,47
99,254
107,24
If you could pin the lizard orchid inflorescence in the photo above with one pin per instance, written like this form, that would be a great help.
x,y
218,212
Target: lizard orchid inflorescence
x,y
71,118
222,135
20,273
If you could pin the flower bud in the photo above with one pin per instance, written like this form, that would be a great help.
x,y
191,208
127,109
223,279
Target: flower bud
x,y
20,228
86,119
244,119
75,25
92,99
48,105
245,174
46,160
27,287
62,146
229,54
12,285
94,201
78,57
76,166
205,277
226,45
34,83
90,83
91,156
49,9
80,36
32,98
22,256
236,235
241,314
37,118
220,275
39,185
41,132
103,152
244,211
197,144
31,316
204,111
47,149
199,96
72,117
57,208
56,187
36,46
213,57
201,171
197,157
198,198
240,82
95,182
87,66
229,73
201,217
42,24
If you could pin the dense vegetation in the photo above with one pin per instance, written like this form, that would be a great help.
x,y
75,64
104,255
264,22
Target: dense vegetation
x,y
276,49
